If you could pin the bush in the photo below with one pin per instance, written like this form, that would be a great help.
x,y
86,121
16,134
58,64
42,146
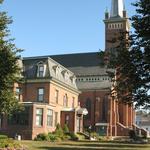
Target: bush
x,y
73,136
3,137
9,143
133,134
42,137
52,137
59,132
95,135
66,129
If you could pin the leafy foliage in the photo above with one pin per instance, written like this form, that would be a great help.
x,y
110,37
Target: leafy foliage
x,y
9,68
58,135
131,59
6,142
65,129
140,51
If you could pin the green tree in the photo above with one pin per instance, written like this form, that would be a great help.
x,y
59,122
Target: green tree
x,y
140,51
9,68
131,59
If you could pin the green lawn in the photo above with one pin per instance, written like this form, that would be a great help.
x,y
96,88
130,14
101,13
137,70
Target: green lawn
x,y
36,145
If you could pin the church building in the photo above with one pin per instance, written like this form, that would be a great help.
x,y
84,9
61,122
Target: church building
x,y
72,89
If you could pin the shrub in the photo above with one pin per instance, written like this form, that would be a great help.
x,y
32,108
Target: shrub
x,y
73,136
52,137
42,137
95,135
66,129
59,132
133,134
9,143
3,136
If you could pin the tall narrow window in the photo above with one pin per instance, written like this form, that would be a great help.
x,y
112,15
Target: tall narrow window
x,y
67,119
39,116
104,109
18,93
73,102
41,71
56,96
40,94
65,100
88,107
56,118
41,68
49,117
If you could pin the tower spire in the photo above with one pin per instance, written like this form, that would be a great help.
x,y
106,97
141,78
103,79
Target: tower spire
x,y
117,7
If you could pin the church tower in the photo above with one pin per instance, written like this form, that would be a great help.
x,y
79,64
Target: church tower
x,y
115,21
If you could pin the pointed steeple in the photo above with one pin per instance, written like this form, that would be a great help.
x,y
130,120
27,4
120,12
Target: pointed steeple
x,y
117,7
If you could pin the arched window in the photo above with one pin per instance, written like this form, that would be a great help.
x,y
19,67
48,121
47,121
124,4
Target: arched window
x,y
88,107
41,68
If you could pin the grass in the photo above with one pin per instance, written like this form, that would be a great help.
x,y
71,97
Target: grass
x,y
40,145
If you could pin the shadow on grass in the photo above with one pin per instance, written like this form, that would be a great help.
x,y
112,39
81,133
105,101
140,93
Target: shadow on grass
x,y
101,145
72,148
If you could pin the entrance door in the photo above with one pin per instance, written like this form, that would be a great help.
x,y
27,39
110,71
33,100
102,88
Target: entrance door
x,y
78,124
102,130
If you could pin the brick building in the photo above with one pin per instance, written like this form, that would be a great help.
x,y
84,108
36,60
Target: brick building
x,y
58,88
50,96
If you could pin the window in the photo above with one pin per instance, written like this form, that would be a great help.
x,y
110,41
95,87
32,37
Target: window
x,y
41,68
18,93
73,102
88,107
67,119
39,116
56,118
50,117
40,94
104,108
56,96
65,100
1,120
21,118
41,71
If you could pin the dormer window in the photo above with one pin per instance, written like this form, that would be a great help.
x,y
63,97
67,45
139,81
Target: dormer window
x,y
41,69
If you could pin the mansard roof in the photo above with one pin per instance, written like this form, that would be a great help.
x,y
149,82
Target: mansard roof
x,y
81,64
53,70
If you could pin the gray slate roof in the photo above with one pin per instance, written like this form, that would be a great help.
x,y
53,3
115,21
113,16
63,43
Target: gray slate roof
x,y
90,71
78,60
81,64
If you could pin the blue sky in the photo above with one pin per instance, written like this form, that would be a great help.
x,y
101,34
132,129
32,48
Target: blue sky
x,y
47,27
